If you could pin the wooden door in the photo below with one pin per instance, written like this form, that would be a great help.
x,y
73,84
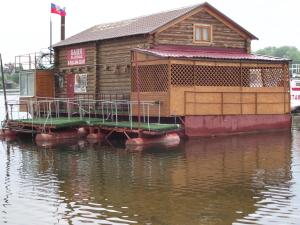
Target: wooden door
x,y
70,85
44,83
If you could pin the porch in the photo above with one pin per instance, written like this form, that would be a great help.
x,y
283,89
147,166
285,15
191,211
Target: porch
x,y
189,81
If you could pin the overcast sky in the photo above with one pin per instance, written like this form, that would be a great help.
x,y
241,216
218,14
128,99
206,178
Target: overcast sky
x,y
25,24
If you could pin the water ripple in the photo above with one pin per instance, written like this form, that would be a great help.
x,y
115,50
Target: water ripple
x,y
247,179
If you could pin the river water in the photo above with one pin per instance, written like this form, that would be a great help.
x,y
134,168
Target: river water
x,y
243,179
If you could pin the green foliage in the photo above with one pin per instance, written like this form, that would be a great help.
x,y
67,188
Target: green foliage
x,y
289,52
10,73
15,77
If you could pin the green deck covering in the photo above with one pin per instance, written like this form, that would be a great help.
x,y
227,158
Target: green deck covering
x,y
144,126
57,122
64,122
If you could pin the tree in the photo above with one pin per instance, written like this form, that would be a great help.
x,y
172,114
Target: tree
x,y
10,73
9,68
289,52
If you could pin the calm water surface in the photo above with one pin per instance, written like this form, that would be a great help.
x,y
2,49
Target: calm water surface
x,y
246,179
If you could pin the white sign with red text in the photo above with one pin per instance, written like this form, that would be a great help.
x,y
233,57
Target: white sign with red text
x,y
295,93
76,57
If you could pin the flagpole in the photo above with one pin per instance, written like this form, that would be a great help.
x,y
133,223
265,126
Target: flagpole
x,y
50,48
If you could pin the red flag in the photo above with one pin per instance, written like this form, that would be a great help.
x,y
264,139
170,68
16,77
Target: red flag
x,y
57,10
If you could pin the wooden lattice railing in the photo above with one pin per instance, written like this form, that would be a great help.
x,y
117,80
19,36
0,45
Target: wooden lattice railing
x,y
232,76
152,78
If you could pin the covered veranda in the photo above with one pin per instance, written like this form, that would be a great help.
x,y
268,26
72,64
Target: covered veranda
x,y
193,81
211,83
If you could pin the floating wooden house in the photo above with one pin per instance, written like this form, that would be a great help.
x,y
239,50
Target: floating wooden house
x,y
194,61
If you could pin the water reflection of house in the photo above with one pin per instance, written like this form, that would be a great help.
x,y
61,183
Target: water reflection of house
x,y
232,173
215,177
207,180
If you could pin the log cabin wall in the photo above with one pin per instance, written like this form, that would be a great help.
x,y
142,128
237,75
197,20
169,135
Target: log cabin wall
x,y
114,57
222,35
89,67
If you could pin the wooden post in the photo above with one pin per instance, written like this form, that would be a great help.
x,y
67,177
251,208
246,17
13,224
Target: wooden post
x,y
169,85
138,91
241,89
4,89
285,82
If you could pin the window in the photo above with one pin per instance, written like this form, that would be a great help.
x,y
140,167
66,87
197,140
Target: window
x,y
202,33
27,87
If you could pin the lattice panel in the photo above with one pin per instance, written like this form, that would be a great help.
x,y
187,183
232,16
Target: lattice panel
x,y
152,78
182,75
232,76
262,77
217,76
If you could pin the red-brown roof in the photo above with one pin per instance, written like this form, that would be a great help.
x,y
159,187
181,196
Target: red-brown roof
x,y
206,53
141,25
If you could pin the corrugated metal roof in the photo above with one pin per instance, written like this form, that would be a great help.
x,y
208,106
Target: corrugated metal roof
x,y
136,26
206,53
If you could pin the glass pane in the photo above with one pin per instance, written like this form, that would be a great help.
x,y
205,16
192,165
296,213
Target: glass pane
x,y
198,34
23,89
205,34
27,87
30,84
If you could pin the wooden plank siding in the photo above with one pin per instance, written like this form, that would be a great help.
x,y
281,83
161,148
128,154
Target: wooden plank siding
x,y
115,60
182,33
89,68
199,100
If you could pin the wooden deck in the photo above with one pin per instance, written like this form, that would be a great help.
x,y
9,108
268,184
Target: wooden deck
x,y
39,124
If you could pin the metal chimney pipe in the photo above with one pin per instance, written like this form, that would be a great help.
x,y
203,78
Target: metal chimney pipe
x,y
62,28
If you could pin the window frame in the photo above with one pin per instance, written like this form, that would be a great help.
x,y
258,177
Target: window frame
x,y
210,34
27,84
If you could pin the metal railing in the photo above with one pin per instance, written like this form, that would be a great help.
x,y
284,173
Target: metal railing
x,y
104,110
